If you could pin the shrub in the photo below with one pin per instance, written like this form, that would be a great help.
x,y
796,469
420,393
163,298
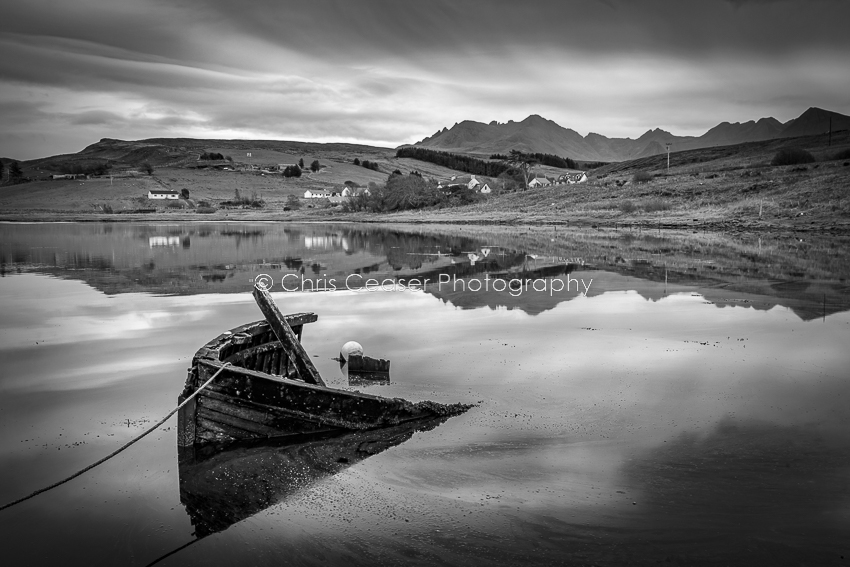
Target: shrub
x,y
627,207
205,210
292,171
843,154
254,200
653,205
293,202
642,177
792,156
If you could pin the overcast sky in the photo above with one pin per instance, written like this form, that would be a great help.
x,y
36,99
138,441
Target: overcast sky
x,y
387,72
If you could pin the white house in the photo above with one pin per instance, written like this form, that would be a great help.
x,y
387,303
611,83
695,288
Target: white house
x,y
316,194
572,178
354,191
538,182
163,194
485,189
70,176
473,183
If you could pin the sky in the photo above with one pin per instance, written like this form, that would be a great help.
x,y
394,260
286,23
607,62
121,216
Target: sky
x,y
389,72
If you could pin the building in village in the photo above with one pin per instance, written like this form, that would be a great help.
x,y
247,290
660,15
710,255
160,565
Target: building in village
x,y
163,194
539,182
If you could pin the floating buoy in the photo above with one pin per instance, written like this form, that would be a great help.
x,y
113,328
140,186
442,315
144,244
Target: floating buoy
x,y
349,348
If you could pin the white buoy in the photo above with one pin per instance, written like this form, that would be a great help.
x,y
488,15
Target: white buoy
x,y
351,347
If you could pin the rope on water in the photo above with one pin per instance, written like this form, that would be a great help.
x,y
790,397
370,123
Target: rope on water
x,y
106,458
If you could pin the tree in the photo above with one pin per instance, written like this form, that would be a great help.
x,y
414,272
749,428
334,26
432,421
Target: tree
x,y
315,166
301,163
147,168
356,161
184,193
292,171
522,163
2,170
15,173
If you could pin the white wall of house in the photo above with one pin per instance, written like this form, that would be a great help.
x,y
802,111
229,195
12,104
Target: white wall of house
x,y
155,195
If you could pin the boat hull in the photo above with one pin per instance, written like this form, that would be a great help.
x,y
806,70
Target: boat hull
x,y
259,395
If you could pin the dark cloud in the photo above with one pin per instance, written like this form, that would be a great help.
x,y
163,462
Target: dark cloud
x,y
382,70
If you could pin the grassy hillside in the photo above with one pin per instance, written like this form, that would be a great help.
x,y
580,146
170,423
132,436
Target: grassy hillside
x,y
730,186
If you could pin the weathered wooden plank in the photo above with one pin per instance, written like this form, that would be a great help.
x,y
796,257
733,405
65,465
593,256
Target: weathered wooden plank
x,y
237,422
276,361
209,436
281,421
360,363
267,362
205,423
306,369
238,357
186,424
243,409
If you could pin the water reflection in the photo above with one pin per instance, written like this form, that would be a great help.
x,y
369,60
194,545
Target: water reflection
x,y
189,258
219,487
652,417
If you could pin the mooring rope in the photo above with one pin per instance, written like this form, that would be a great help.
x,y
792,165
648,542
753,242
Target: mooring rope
x,y
106,458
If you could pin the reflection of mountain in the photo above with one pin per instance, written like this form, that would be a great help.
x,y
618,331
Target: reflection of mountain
x,y
808,277
806,300
219,489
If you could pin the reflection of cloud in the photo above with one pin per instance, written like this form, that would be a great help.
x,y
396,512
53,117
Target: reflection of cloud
x,y
94,375
747,481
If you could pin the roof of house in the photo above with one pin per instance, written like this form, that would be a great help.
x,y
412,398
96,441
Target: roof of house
x,y
163,192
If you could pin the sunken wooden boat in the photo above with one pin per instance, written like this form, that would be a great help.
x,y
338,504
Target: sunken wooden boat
x,y
268,388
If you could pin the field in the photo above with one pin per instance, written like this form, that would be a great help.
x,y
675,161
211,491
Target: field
x,y
708,188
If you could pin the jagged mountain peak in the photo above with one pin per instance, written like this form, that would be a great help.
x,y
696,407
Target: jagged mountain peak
x,y
538,134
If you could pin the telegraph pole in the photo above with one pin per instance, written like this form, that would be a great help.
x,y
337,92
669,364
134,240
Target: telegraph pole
x,y
668,144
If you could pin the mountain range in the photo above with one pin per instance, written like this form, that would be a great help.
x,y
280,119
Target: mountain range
x,y
537,134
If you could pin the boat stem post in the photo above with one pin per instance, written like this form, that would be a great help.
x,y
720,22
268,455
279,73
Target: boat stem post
x,y
291,345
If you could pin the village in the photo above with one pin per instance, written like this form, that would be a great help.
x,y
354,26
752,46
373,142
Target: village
x,y
339,193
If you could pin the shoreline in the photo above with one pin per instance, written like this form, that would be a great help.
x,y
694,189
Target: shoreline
x,y
450,217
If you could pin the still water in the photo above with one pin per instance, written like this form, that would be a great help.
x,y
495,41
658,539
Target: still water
x,y
643,397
